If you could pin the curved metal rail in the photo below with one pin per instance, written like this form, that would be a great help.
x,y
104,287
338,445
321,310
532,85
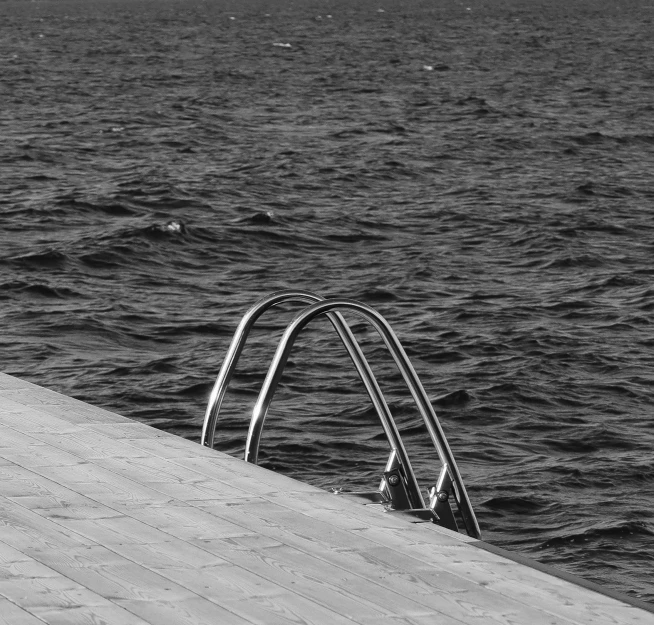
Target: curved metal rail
x,y
406,369
398,451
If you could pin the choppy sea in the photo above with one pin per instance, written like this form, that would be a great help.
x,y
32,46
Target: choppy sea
x,y
480,171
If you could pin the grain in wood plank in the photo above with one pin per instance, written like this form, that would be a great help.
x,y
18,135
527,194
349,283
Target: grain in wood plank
x,y
487,573
78,412
84,556
49,592
132,469
9,555
576,606
66,413
537,588
11,614
424,619
197,491
90,511
27,569
417,579
173,553
120,529
322,500
165,447
10,409
408,581
454,600
50,495
165,470
21,528
350,520
195,611
31,490
250,542
293,522
223,582
292,608
330,587
29,420
412,536
88,445
441,573
92,481
133,432
267,524
40,455
90,615
13,471
118,494
125,580
186,486
403,579
87,472
256,477
12,440
12,489
35,396
185,521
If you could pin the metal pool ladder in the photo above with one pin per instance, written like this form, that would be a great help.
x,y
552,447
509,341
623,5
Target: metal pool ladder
x,y
398,489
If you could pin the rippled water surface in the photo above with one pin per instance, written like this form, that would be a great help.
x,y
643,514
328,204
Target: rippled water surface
x,y
480,172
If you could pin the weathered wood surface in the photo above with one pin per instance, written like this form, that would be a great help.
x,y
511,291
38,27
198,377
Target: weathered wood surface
x,y
105,520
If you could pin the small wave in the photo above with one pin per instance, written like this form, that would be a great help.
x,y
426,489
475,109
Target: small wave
x,y
39,290
617,530
202,389
356,237
594,189
376,296
259,218
116,208
581,260
589,138
106,259
515,505
590,440
210,328
49,259
453,399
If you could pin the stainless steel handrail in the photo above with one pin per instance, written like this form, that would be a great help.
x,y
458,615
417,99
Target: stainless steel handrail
x,y
363,368
406,369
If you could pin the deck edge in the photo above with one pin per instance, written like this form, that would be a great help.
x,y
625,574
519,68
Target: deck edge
x,y
564,575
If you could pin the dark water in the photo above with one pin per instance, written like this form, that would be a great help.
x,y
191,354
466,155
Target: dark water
x,y
481,172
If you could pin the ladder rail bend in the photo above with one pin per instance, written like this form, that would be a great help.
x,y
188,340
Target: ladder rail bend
x,y
358,358
406,369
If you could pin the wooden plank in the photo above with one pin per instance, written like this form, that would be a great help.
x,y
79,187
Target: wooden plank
x,y
51,592
174,553
11,614
188,612
111,614
11,440
87,445
126,580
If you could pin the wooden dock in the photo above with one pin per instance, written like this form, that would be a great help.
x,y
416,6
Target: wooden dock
x,y
104,520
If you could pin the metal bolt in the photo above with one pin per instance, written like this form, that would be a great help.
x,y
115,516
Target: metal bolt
x,y
393,480
442,495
